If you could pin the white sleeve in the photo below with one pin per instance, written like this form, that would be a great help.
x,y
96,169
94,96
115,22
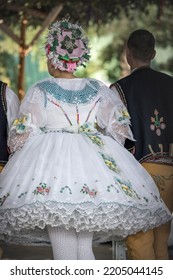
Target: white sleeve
x,y
113,116
34,105
31,117
13,104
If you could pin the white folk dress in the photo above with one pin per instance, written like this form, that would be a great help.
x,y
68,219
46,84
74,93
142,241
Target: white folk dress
x,y
65,173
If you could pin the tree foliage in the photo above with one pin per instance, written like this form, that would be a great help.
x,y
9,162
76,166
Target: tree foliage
x,y
108,24
159,24
85,12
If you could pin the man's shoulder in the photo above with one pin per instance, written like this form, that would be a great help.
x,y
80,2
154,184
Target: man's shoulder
x,y
2,86
163,75
123,81
7,91
1,82
148,74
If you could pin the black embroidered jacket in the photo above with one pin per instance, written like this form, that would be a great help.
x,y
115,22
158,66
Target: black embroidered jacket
x,y
148,96
3,125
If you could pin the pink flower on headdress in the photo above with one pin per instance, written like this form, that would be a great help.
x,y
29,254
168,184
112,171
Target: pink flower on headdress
x,y
48,49
61,51
67,46
78,50
71,66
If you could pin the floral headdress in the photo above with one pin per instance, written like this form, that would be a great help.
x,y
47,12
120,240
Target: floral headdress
x,y
67,46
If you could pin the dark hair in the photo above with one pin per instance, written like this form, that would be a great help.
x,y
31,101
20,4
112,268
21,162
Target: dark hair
x,y
142,43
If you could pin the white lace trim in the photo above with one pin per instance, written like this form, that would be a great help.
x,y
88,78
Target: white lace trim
x,y
109,218
16,141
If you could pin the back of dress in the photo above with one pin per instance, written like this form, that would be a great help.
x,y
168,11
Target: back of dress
x,y
66,174
69,103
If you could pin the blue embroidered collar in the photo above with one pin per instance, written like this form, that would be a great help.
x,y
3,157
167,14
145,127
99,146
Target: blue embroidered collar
x,y
82,96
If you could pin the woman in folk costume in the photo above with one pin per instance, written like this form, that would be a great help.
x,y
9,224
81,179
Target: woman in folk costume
x,y
65,176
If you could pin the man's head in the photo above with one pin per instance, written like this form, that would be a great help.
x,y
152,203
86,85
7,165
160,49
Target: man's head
x,y
140,46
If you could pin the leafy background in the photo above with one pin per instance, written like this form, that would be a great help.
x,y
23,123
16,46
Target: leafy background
x,y
107,24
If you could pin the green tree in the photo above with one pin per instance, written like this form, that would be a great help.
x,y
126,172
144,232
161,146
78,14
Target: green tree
x,y
108,24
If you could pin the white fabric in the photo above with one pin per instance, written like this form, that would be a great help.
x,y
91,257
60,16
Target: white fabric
x,y
63,242
69,245
33,103
84,248
12,106
71,176
107,116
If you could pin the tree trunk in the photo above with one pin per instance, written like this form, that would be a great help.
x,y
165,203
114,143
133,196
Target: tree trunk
x,y
21,41
21,66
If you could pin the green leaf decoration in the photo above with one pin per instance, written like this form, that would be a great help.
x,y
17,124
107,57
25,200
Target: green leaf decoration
x,y
76,33
65,24
55,43
75,59
86,56
64,57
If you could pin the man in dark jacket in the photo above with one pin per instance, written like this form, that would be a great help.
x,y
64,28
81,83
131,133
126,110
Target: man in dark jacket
x,y
9,106
148,95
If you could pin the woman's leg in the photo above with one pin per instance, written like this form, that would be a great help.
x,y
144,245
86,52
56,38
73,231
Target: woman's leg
x,y
64,243
84,249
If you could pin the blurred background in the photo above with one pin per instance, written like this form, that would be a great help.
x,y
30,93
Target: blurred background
x,y
108,23
23,29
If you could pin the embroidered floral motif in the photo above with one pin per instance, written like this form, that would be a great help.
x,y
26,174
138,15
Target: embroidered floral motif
x,y
110,162
69,44
66,188
22,194
157,123
42,189
127,189
96,140
112,187
20,124
86,127
146,199
161,180
2,199
85,189
91,133
124,115
156,197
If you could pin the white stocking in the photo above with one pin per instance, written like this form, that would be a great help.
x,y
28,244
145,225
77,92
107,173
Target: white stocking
x,y
84,250
64,243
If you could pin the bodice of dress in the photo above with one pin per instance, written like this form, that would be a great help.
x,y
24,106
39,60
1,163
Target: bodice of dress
x,y
69,107
55,104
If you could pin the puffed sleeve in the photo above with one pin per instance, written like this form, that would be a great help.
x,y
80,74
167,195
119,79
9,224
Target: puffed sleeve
x,y
113,116
31,119
12,106
34,104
